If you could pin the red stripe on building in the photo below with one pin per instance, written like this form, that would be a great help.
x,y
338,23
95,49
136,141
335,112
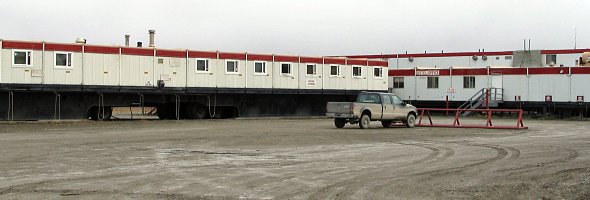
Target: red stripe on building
x,y
202,54
402,72
236,56
101,49
22,45
137,51
549,70
334,61
378,63
426,55
508,71
171,53
357,62
63,47
281,58
580,70
311,60
260,57
565,51
468,72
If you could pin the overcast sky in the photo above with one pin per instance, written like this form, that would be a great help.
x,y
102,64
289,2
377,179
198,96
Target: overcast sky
x,y
305,27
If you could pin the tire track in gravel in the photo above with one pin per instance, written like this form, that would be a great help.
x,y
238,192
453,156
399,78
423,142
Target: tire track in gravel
x,y
32,186
378,184
348,185
40,187
571,155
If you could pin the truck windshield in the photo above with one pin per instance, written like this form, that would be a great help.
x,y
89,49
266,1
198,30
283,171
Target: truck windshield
x,y
368,98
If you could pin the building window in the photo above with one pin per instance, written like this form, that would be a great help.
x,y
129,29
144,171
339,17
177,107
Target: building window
x,y
231,66
378,72
311,70
22,58
398,82
63,59
357,72
334,70
469,82
202,65
507,57
259,67
432,82
551,60
285,68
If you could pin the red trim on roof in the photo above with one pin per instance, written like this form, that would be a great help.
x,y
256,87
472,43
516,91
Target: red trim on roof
x,y
63,47
508,71
426,55
402,72
455,54
311,60
202,54
22,45
467,72
101,49
282,58
377,63
580,70
236,56
565,51
334,61
549,70
260,57
171,53
357,62
503,71
137,51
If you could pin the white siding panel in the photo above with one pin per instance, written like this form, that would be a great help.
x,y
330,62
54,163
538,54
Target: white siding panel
x,y
172,70
230,80
101,69
515,85
137,70
357,83
332,82
257,80
200,78
286,81
555,85
580,86
21,74
67,76
310,81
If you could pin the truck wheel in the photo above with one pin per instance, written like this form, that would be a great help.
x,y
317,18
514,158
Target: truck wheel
x,y
364,121
386,123
411,121
339,122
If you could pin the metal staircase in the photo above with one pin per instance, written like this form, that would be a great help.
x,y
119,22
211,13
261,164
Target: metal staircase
x,y
486,97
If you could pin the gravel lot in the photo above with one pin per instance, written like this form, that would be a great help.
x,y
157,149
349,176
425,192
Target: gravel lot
x,y
291,159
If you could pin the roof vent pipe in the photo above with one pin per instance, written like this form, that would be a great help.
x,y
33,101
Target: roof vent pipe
x,y
152,35
127,40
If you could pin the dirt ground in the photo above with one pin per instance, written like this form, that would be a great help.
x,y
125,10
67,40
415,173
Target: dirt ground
x,y
291,159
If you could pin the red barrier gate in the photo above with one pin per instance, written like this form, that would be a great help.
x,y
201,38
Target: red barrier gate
x,y
457,123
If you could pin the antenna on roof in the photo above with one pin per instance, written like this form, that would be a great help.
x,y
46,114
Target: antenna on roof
x,y
575,37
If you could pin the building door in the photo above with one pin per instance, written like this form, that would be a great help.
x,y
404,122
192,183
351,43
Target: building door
x,y
496,81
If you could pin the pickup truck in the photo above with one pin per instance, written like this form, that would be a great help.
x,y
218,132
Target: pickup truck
x,y
372,106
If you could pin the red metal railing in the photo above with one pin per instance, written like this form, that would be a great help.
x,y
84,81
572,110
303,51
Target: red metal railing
x,y
457,122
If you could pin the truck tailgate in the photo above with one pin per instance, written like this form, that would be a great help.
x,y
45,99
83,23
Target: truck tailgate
x,y
339,107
